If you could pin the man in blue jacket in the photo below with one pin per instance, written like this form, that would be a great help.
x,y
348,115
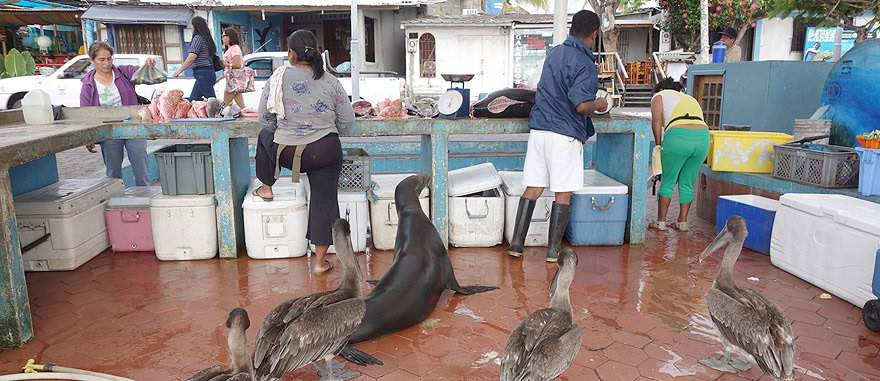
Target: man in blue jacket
x,y
560,125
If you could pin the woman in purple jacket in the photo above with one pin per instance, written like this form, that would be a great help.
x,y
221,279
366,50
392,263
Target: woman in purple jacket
x,y
108,85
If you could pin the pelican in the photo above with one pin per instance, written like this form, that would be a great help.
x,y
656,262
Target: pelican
x,y
239,367
544,345
750,324
312,327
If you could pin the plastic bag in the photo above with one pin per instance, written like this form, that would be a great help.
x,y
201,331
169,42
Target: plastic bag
x,y
148,75
239,81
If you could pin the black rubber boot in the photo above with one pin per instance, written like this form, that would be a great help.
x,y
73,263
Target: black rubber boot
x,y
558,222
521,226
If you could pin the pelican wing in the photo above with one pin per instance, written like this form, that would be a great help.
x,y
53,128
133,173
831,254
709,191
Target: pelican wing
x,y
299,332
756,325
543,326
555,355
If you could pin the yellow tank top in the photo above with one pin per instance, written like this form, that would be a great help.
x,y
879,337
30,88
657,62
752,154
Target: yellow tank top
x,y
680,108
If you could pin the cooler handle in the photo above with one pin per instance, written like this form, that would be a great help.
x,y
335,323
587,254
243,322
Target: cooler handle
x,y
392,214
547,213
130,216
476,215
602,208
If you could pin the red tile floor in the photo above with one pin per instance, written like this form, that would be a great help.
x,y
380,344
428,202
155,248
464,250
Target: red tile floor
x,y
641,307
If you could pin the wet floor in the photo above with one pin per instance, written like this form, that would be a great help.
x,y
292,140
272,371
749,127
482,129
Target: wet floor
x,y
641,308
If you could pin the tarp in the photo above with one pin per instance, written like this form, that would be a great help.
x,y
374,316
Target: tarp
x,y
138,15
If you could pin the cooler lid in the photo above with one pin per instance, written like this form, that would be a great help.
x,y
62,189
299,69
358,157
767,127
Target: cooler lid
x,y
596,182
512,184
849,211
285,194
473,179
134,198
351,196
753,200
387,183
66,197
182,201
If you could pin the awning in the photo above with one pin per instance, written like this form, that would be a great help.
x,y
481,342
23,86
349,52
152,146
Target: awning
x,y
138,15
38,12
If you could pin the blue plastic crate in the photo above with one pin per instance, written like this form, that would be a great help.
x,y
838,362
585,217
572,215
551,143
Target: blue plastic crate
x,y
869,171
759,214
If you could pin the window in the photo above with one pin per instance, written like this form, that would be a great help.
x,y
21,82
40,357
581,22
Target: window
x,y
262,68
799,33
708,90
78,69
370,39
140,39
427,58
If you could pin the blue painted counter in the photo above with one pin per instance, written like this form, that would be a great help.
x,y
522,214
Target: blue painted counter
x,y
621,153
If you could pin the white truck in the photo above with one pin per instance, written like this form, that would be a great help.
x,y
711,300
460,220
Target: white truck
x,y
63,85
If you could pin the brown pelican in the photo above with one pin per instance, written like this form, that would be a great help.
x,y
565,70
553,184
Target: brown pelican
x,y
544,345
239,367
312,327
750,324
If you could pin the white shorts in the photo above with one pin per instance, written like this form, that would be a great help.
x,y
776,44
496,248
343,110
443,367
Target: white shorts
x,y
554,161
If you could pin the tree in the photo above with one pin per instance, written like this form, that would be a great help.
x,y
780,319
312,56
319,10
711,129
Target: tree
x,y
606,9
515,6
836,13
683,16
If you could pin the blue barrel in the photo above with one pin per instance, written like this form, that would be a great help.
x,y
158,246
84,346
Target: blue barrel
x,y
719,50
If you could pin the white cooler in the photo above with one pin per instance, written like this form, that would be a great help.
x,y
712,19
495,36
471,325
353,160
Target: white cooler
x,y
277,228
828,240
353,208
476,207
383,214
184,226
62,226
539,227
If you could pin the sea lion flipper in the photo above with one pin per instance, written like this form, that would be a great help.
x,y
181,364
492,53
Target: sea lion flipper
x,y
354,355
373,282
470,290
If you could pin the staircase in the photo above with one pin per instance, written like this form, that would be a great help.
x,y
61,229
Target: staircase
x,y
637,96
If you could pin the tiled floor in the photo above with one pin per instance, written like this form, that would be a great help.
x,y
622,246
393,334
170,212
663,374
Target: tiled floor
x,y
641,307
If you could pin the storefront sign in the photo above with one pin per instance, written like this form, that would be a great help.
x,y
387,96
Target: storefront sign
x,y
819,44
530,46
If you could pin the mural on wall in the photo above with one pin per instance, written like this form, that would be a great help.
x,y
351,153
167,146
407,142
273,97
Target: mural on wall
x,y
850,94
819,44
266,35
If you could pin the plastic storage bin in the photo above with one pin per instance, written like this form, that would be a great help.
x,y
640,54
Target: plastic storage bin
x,y
186,169
539,227
476,207
828,240
822,165
276,229
184,227
869,171
743,151
759,213
598,211
383,213
62,226
129,225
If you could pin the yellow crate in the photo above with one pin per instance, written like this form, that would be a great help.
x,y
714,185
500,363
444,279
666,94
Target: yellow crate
x,y
743,151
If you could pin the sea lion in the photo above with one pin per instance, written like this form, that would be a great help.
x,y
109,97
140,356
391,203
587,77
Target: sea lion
x,y
421,271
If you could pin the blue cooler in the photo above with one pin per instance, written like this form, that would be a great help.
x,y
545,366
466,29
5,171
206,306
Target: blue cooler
x,y
759,213
598,212
871,310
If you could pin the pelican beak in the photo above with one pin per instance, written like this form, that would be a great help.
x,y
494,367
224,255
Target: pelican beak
x,y
553,283
722,239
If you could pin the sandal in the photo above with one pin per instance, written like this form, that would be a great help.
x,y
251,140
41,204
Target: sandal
x,y
330,267
257,193
682,226
659,225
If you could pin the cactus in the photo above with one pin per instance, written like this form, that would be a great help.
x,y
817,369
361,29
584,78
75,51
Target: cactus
x,y
29,63
15,64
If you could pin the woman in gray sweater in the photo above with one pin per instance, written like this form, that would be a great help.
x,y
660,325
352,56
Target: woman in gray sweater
x,y
301,112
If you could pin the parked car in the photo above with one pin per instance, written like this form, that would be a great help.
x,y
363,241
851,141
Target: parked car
x,y
374,86
63,86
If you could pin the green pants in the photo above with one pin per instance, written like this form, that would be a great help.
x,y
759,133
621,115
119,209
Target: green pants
x,y
684,151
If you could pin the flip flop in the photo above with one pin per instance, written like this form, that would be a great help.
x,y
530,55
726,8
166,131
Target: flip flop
x,y
256,193
325,271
